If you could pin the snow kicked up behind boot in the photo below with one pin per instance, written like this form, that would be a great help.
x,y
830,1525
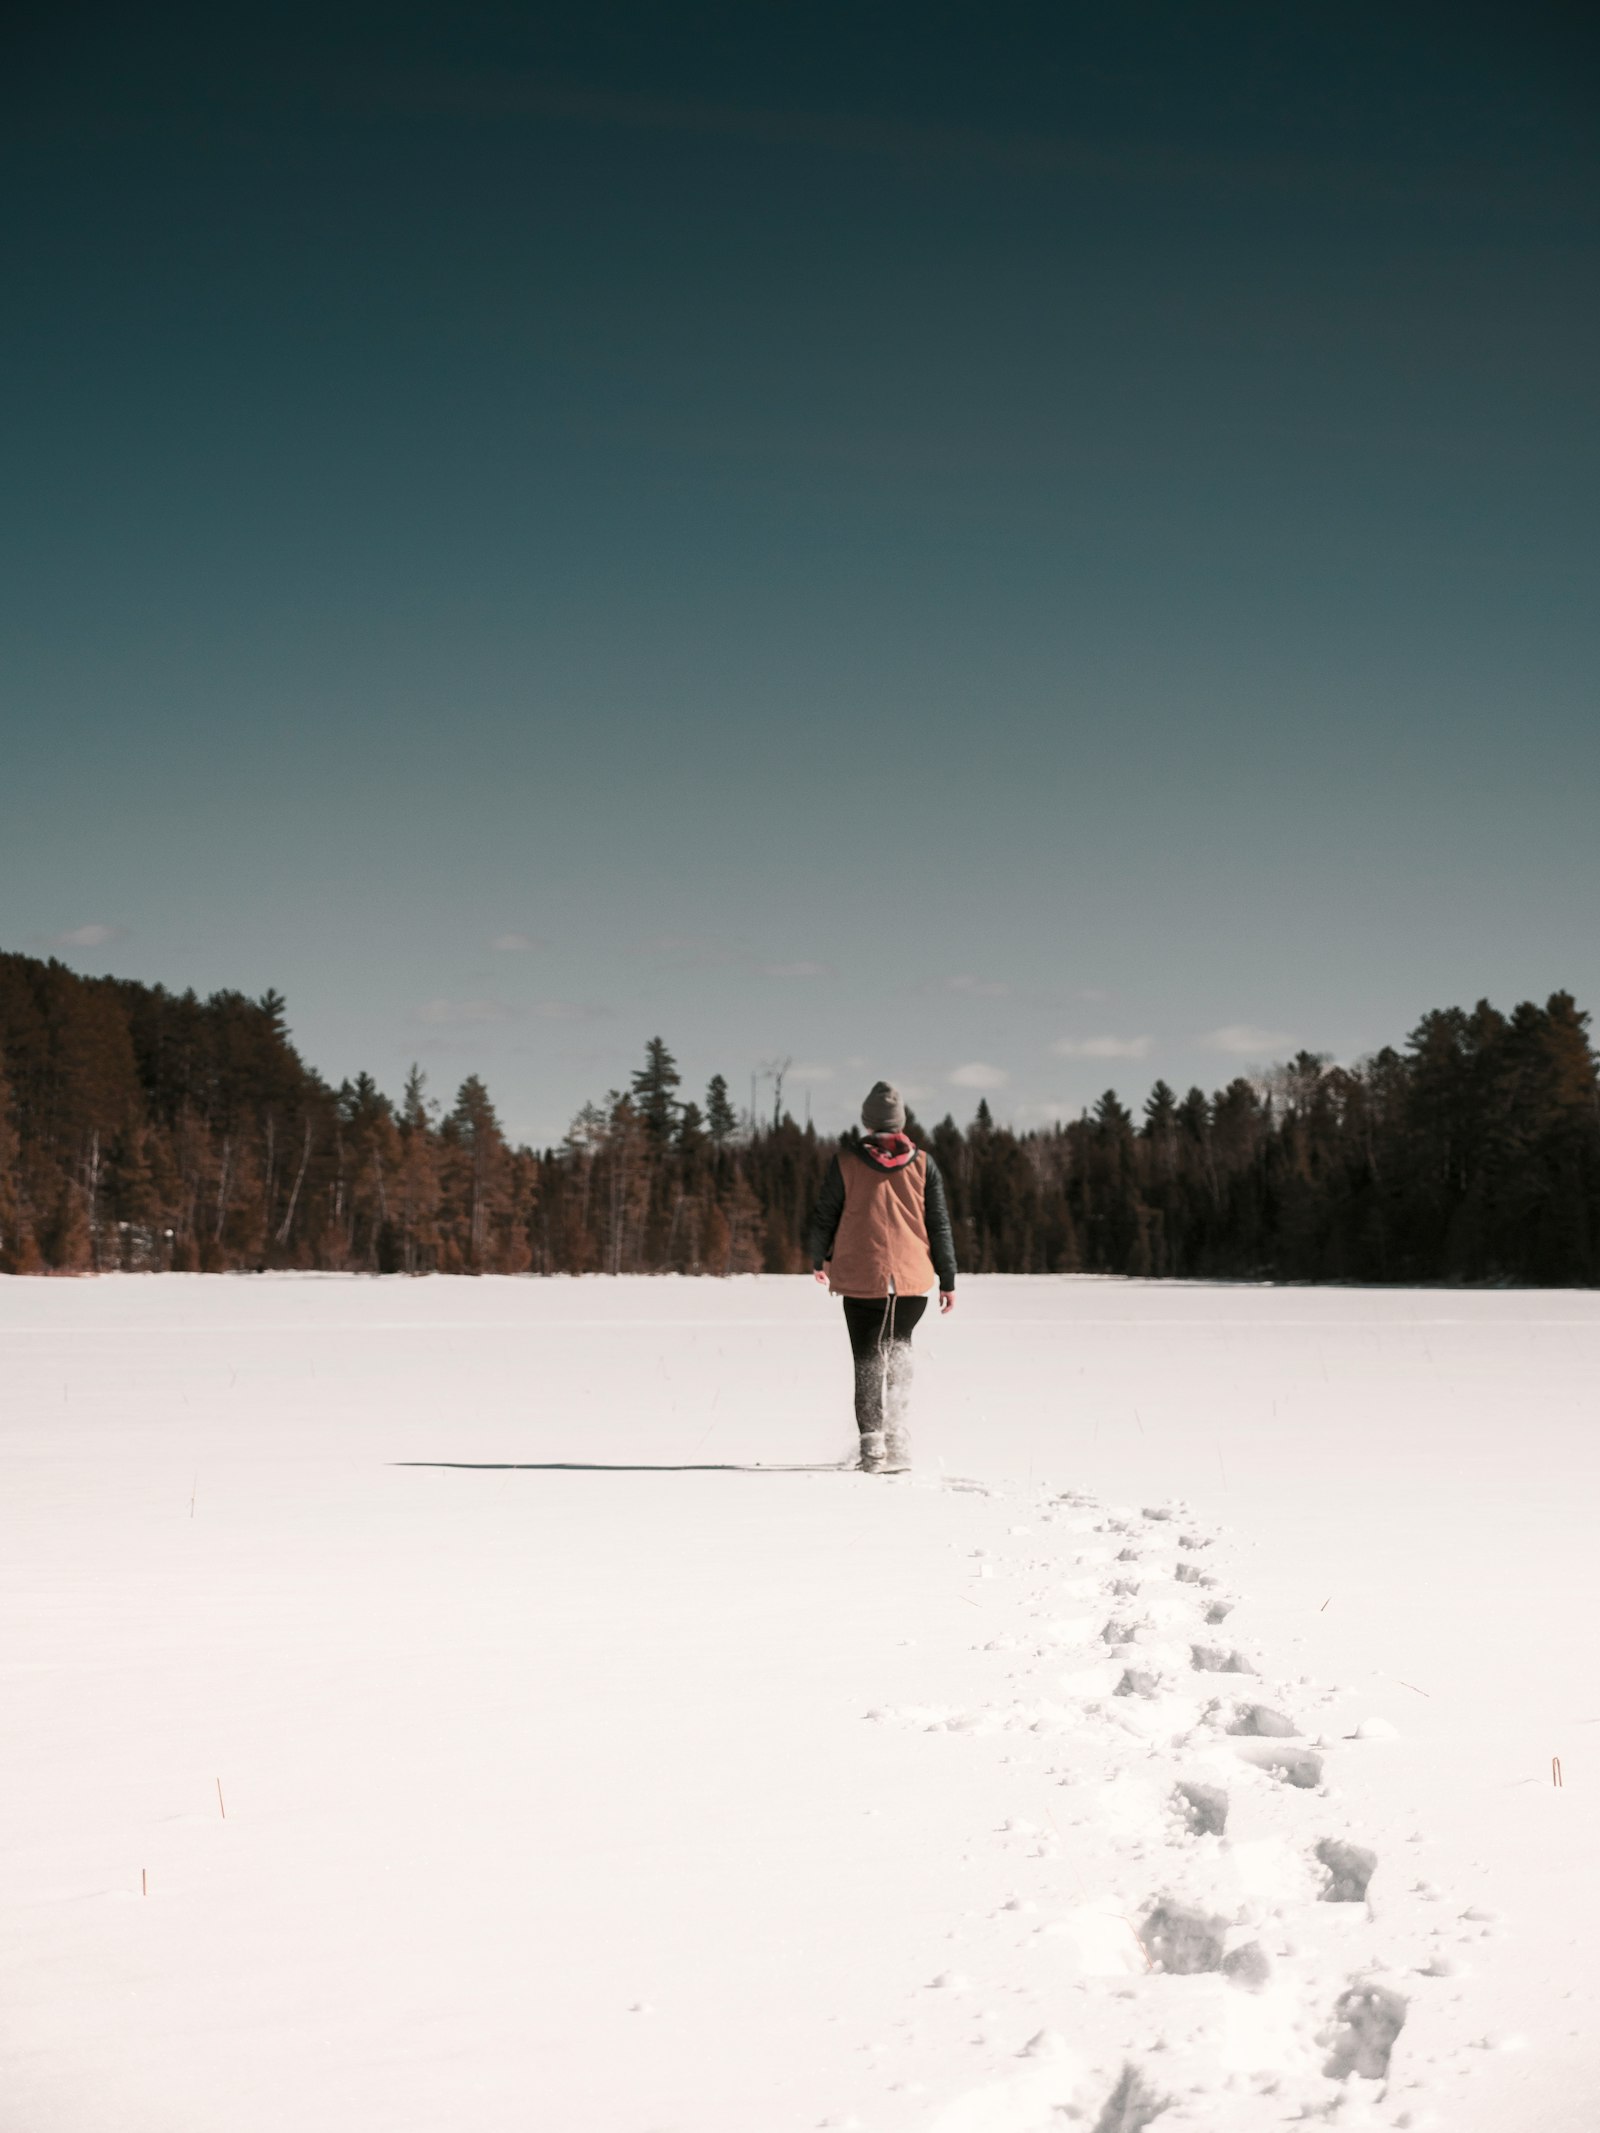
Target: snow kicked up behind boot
x,y
897,1401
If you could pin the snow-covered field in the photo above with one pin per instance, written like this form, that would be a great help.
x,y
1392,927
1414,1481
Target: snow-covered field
x,y
516,1725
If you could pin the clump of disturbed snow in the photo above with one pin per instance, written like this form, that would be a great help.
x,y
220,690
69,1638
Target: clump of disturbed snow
x,y
1260,1719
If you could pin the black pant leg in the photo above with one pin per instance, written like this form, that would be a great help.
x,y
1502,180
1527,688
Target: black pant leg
x,y
880,1329
866,1322
904,1317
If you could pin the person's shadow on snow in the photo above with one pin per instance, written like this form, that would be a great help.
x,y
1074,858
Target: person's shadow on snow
x,y
602,1466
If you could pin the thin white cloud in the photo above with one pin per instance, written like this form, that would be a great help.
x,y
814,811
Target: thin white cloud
x,y
95,935
1101,1047
696,951
463,1014
1242,1040
570,1011
487,1012
798,970
515,943
810,1070
977,1074
978,988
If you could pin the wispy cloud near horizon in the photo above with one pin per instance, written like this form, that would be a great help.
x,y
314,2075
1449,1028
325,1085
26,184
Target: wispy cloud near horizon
x,y
1243,1040
95,935
978,1074
571,1011
1101,1047
464,1014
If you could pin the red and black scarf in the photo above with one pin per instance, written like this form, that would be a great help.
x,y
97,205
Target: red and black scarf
x,y
889,1151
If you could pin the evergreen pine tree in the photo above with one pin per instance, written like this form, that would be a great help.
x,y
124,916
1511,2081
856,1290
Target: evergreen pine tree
x,y
18,1254
476,1179
417,1194
654,1103
722,1121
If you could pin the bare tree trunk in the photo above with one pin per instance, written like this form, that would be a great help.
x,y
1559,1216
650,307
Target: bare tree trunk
x,y
300,1178
222,1184
780,1069
92,1179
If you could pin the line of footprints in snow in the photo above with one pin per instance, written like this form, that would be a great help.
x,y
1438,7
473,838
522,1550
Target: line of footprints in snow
x,y
1164,1635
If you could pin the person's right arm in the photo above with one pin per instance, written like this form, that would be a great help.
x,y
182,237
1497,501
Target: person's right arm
x,y
941,1238
825,1218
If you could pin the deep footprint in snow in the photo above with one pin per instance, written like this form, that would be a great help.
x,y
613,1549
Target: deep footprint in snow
x,y
1192,1574
1204,1809
1135,1682
1219,1611
1367,2020
1131,2106
1350,1867
1248,1966
1138,1684
1182,1941
1123,1631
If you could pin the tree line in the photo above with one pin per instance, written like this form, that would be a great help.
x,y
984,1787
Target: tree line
x,y
147,1130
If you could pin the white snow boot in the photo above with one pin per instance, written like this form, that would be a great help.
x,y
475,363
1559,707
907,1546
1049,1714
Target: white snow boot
x,y
872,1456
896,1452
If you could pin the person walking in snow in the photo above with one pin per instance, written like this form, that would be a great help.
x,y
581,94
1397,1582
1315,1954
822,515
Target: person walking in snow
x,y
880,1237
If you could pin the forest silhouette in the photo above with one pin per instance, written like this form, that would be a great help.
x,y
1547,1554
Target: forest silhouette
x,y
147,1130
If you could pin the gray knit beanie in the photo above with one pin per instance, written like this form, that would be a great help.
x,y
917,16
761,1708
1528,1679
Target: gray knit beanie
x,y
884,1111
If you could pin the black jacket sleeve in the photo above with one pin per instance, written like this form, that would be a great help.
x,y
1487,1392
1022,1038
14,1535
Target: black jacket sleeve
x,y
825,1215
941,1239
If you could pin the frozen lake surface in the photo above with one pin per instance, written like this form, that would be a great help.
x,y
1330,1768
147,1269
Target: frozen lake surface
x,y
514,1723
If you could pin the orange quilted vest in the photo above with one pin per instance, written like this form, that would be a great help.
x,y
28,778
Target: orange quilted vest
x,y
882,1239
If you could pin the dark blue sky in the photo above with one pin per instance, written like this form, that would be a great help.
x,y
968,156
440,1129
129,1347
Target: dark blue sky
x,y
1012,549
